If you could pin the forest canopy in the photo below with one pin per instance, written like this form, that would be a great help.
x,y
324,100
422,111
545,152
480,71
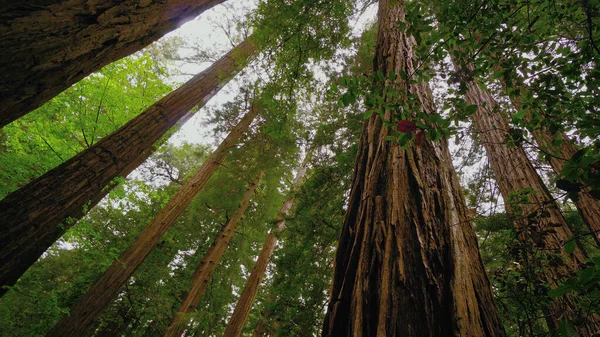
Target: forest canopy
x,y
300,168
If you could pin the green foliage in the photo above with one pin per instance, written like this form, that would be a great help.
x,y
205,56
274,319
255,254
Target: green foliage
x,y
296,33
78,118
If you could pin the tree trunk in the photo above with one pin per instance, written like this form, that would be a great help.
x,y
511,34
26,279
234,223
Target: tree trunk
x,y
261,329
56,43
99,296
35,216
587,206
244,304
209,263
514,172
407,261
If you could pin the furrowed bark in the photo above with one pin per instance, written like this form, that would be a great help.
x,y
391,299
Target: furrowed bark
x,y
53,44
407,261
514,172
206,268
587,206
244,304
35,216
89,307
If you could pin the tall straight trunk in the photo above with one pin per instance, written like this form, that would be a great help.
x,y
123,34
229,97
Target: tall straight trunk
x,y
209,263
261,329
407,261
99,296
587,206
514,172
35,216
53,44
244,304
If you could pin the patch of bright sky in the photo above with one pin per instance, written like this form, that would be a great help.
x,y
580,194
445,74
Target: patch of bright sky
x,y
213,32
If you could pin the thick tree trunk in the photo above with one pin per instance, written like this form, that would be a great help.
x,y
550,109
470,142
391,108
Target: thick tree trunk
x,y
99,296
407,262
244,304
209,263
35,216
514,172
50,45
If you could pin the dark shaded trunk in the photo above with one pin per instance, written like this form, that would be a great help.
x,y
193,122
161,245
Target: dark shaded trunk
x,y
244,304
407,261
539,220
35,216
50,45
204,271
100,295
261,329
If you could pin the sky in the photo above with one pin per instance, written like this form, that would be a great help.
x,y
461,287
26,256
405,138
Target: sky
x,y
212,31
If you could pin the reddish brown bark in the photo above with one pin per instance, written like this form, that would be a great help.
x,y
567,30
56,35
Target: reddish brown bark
x,y
34,217
261,329
100,295
407,262
206,268
244,304
514,172
50,45
587,206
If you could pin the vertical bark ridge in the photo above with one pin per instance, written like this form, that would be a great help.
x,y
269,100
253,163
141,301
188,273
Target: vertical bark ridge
x,y
513,172
89,307
39,213
587,206
407,262
54,45
244,304
206,268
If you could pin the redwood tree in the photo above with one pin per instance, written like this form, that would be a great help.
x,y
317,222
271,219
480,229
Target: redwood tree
x,y
35,216
244,304
56,43
87,309
538,219
206,268
558,154
407,262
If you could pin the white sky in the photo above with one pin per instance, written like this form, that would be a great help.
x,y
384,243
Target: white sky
x,y
209,32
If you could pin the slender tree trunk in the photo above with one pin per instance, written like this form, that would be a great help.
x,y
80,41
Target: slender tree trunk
x,y
514,172
407,262
244,304
261,329
99,296
209,263
587,206
53,44
35,216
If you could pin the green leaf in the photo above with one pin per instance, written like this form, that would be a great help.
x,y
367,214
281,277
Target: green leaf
x,y
567,329
471,109
570,246
518,116
560,291
578,155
